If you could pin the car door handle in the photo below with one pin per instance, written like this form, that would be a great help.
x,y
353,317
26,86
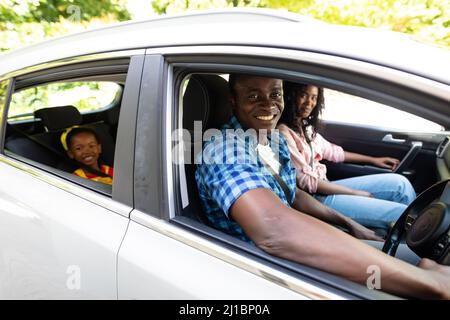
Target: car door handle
x,y
408,159
390,139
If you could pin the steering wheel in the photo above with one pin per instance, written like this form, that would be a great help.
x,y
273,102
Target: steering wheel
x,y
425,225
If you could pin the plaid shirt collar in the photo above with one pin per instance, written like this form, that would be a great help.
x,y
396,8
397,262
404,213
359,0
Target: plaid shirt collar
x,y
276,140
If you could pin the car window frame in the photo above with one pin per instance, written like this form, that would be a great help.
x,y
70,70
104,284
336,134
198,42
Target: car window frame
x,y
4,109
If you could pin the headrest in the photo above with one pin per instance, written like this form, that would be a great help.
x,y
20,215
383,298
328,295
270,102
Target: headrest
x,y
58,118
206,99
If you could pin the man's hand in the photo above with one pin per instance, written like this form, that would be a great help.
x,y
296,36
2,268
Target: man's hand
x,y
386,162
361,232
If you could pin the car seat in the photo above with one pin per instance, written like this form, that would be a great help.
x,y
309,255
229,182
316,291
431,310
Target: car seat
x,y
205,99
57,119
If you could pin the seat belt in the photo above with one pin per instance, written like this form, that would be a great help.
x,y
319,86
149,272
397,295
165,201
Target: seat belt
x,y
277,177
32,138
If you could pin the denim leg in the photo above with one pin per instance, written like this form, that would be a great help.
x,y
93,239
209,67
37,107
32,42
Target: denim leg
x,y
370,212
385,186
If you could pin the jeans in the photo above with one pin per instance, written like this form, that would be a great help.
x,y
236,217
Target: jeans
x,y
391,192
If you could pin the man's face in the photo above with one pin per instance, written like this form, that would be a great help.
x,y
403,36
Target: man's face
x,y
258,102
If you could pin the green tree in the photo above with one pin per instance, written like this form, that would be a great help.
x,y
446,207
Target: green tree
x,y
23,11
428,19
172,6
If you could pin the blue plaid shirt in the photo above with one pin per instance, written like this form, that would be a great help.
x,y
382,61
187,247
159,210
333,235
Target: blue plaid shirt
x,y
229,166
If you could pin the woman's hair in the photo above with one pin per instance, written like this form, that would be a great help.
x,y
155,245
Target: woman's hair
x,y
290,117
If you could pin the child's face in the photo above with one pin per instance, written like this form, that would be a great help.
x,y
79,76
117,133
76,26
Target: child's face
x,y
85,149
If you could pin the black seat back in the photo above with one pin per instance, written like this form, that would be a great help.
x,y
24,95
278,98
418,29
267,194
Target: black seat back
x,y
206,99
58,119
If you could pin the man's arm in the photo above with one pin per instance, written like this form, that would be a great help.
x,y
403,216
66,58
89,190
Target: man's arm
x,y
287,233
304,202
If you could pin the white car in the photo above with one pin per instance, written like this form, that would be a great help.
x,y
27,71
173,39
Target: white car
x,y
136,83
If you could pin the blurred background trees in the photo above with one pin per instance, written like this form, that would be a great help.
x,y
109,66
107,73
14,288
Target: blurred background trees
x,y
23,22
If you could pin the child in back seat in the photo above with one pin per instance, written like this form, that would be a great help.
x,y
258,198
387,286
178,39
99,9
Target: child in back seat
x,y
83,145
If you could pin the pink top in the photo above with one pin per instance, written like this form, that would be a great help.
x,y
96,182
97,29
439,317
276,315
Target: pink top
x,y
307,176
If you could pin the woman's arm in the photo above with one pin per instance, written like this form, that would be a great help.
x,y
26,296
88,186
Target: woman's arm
x,y
306,203
307,178
382,162
326,187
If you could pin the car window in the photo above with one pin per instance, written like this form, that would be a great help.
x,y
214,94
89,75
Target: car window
x,y
43,119
346,108
84,95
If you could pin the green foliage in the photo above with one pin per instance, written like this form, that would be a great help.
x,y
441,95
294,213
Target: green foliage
x,y
13,11
429,20
172,6
28,21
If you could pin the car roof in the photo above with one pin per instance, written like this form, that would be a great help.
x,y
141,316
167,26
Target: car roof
x,y
244,27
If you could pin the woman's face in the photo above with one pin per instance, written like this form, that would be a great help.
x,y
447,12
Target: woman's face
x,y
306,101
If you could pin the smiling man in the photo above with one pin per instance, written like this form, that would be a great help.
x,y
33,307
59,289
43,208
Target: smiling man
x,y
257,200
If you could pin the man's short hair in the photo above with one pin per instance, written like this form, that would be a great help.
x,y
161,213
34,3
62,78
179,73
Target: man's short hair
x,y
233,78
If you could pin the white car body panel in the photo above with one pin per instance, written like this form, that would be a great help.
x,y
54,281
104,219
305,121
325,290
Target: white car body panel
x,y
180,265
170,269
57,246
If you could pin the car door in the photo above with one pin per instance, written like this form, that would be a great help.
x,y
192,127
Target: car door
x,y
363,126
59,237
160,260
168,252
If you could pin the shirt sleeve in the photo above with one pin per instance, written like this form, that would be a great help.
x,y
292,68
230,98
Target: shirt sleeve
x,y
330,151
225,183
307,178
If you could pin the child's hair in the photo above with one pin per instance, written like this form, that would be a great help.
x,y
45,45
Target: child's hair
x,y
72,133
